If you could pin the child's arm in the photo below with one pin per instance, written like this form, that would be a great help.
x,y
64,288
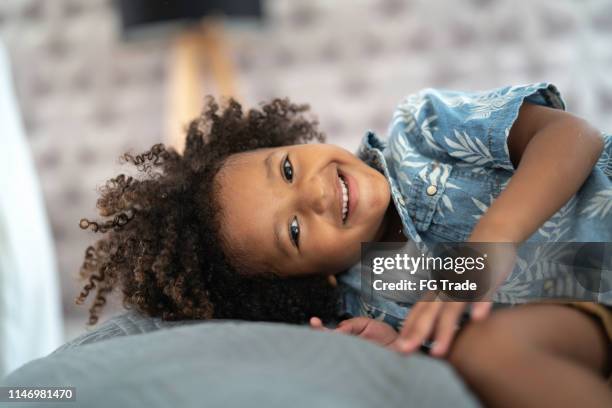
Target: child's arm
x,y
553,152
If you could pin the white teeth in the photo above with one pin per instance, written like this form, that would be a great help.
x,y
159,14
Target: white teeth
x,y
344,198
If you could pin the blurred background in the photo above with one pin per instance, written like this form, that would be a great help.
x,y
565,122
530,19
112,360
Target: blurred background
x,y
92,79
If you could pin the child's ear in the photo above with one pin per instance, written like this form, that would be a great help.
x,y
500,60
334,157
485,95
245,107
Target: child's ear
x,y
332,280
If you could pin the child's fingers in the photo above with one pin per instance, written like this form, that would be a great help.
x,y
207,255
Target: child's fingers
x,y
345,329
354,326
447,328
480,310
317,324
419,327
397,345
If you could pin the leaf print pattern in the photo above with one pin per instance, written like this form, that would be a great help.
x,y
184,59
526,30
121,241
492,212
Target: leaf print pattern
x,y
469,149
482,105
485,109
559,224
426,131
547,273
447,202
407,156
476,156
605,160
539,265
405,117
439,177
433,176
513,292
599,205
506,164
481,206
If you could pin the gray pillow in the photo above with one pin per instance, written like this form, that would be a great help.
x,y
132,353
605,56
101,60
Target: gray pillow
x,y
124,324
238,364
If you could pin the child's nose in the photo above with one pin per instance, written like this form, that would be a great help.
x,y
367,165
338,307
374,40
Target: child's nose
x,y
314,196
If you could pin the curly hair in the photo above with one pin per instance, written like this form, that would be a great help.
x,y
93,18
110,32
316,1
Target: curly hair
x,y
162,245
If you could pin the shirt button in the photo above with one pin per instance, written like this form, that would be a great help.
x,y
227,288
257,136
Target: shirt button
x,y
431,190
548,285
401,201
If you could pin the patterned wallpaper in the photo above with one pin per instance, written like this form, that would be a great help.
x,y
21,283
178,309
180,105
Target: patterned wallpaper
x,y
87,96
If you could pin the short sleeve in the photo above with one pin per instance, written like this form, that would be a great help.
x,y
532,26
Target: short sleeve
x,y
473,127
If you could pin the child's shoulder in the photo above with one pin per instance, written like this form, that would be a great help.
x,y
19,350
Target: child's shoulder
x,y
441,99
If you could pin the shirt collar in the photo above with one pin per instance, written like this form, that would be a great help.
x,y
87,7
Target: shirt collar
x,y
374,152
369,143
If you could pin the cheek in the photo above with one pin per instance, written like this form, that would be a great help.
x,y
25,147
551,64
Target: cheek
x,y
378,205
338,249
381,191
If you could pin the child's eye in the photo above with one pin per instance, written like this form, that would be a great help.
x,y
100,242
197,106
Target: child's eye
x,y
287,169
294,232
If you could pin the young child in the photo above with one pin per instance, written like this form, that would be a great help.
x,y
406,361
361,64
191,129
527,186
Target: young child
x,y
252,222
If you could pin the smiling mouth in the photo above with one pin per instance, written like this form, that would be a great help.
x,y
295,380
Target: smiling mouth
x,y
345,197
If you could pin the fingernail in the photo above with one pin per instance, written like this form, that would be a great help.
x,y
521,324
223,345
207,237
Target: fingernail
x,y
406,345
479,314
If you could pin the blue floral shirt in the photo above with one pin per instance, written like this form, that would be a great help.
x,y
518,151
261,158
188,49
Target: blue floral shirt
x,y
446,159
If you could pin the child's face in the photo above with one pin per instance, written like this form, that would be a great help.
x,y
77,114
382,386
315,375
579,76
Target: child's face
x,y
282,208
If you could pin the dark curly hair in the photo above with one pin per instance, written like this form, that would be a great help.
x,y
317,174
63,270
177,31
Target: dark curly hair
x,y
162,245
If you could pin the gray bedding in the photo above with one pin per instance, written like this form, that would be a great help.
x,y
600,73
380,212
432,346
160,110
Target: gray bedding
x,y
132,361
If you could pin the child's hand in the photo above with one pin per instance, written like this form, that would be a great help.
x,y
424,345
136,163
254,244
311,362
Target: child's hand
x,y
369,329
429,317
438,320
